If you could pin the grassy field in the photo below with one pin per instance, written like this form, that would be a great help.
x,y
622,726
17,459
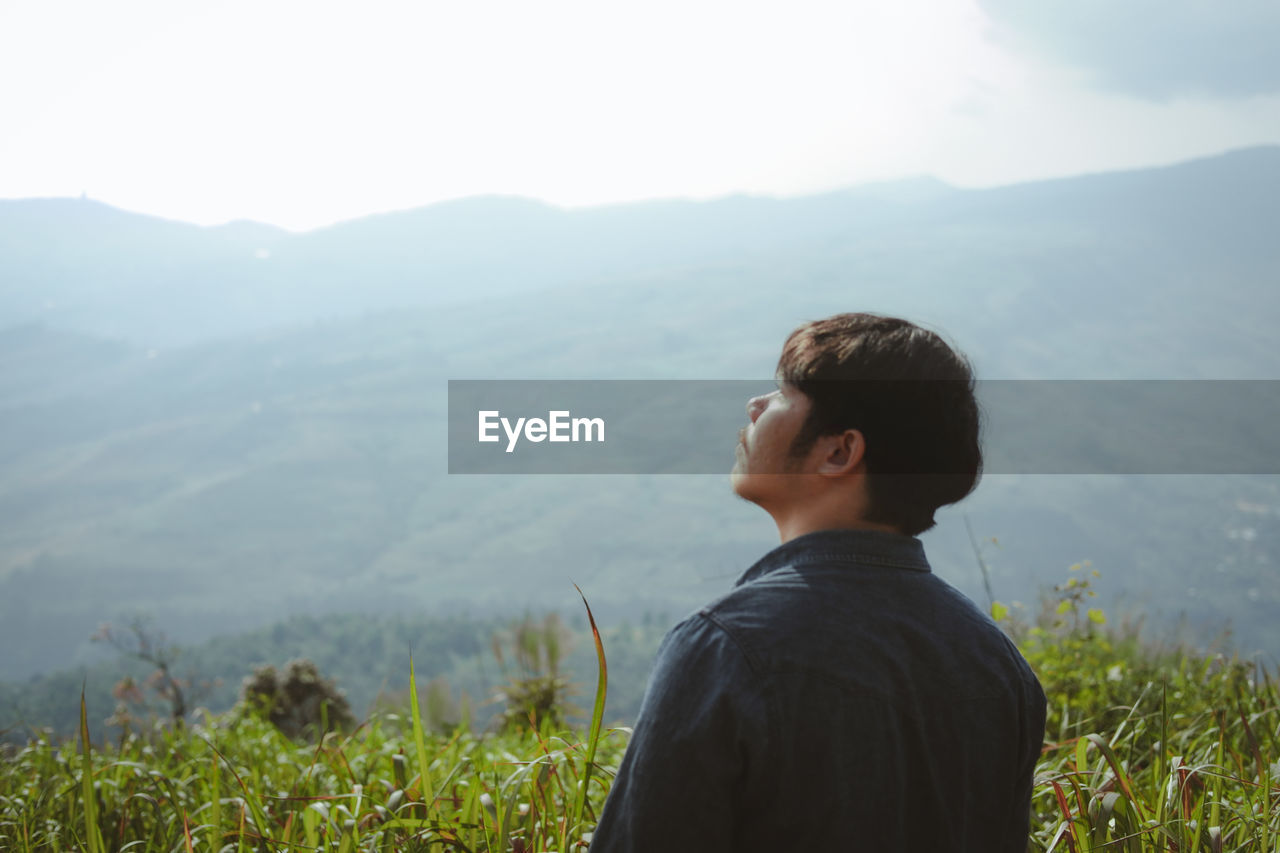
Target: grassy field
x,y
215,787
1147,749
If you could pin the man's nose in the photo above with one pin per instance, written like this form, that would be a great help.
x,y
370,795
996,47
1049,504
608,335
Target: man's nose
x,y
755,406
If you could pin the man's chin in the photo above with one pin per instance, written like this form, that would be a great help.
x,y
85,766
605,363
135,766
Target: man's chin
x,y
741,484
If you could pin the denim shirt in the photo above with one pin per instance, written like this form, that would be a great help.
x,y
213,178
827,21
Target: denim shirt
x,y
840,697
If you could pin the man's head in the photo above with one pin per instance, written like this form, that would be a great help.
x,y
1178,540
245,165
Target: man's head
x,y
872,406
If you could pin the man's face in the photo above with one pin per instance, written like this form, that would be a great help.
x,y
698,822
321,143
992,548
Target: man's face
x,y
763,451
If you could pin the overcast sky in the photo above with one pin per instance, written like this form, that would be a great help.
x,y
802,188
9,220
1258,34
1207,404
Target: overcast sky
x,y
304,113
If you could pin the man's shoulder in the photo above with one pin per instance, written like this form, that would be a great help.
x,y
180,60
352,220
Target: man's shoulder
x,y
700,631
865,622
877,581
816,585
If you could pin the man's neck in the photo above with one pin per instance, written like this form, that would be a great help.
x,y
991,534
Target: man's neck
x,y
793,528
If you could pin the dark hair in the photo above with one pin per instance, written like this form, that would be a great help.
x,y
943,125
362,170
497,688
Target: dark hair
x,y
908,393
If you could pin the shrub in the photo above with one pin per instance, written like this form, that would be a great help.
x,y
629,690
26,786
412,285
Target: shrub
x,y
536,693
301,703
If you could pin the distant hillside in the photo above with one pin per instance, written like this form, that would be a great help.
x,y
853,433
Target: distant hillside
x,y
367,655
81,265
223,426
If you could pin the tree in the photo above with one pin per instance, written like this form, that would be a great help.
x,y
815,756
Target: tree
x,y
139,640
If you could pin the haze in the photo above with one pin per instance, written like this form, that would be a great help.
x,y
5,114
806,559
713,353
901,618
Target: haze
x,y
303,114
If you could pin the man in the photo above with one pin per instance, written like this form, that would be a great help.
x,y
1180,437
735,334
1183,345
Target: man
x,y
841,696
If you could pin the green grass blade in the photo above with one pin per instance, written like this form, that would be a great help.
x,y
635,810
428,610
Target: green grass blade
x,y
215,803
597,715
249,799
92,833
428,795
1121,777
1215,807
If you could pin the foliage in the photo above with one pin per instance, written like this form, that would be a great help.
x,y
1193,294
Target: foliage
x,y
536,691
1149,749
1074,656
441,712
300,702
236,783
248,786
364,653
139,640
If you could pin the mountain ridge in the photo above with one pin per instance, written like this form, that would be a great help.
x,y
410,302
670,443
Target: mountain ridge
x,y
224,432
920,184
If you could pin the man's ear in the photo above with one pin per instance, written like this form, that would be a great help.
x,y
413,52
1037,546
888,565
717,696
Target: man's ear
x,y
843,453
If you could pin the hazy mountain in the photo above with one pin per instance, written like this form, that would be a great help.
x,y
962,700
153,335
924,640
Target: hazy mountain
x,y
222,426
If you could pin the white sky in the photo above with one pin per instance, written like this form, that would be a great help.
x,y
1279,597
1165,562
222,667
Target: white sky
x,y
304,113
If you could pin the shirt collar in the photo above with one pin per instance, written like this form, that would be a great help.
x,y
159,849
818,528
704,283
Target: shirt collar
x,y
864,547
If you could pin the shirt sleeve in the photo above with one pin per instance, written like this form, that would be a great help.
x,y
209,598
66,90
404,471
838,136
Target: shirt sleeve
x,y
1032,745
702,728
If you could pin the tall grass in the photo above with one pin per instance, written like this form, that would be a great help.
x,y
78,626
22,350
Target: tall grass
x,y
1146,751
248,788
1149,748
236,783
1170,777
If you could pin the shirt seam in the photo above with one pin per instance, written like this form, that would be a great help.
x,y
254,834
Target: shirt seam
x,y
754,662
867,559
763,684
